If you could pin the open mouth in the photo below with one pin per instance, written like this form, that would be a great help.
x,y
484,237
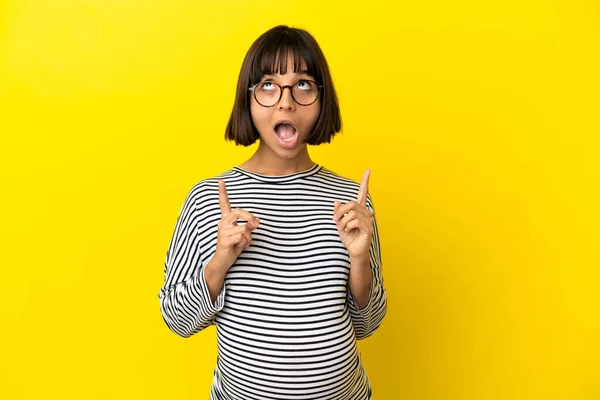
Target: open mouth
x,y
286,133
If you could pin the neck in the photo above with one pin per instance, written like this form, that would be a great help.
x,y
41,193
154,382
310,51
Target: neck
x,y
266,162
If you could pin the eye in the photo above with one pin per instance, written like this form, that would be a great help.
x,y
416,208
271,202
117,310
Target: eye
x,y
303,85
267,86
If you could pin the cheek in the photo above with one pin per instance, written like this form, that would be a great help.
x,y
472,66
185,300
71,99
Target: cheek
x,y
260,116
313,115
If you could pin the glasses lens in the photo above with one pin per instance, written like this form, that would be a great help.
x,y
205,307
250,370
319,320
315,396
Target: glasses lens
x,y
305,92
267,93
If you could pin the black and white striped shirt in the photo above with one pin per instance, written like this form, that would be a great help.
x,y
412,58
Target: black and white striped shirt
x,y
286,321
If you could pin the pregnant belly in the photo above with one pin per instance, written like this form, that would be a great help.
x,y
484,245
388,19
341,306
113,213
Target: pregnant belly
x,y
288,355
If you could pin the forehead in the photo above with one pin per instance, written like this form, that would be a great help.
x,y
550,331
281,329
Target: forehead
x,y
303,72
283,61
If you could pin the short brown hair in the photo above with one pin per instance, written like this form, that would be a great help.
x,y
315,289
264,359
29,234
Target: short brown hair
x,y
268,55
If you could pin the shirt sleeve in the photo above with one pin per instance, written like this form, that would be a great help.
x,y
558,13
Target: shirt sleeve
x,y
368,319
184,297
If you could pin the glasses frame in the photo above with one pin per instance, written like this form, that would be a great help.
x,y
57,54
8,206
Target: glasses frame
x,y
282,88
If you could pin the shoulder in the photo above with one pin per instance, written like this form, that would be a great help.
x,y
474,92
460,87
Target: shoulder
x,y
344,185
330,174
203,190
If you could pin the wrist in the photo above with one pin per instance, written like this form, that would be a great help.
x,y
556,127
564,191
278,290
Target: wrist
x,y
359,259
360,271
216,267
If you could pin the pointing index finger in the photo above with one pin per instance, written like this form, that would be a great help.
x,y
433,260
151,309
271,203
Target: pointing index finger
x,y
364,188
223,199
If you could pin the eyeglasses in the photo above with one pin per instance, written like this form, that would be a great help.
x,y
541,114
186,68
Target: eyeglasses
x,y
268,93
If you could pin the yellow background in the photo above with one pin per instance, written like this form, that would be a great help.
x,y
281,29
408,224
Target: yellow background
x,y
479,120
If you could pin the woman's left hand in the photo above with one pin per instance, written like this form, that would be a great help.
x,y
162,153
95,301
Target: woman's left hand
x,y
355,222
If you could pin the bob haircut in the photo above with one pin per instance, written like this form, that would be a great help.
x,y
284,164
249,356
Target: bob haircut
x,y
268,55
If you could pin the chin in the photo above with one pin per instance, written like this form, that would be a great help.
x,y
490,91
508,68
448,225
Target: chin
x,y
288,153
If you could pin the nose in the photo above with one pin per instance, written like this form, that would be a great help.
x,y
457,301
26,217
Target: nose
x,y
286,102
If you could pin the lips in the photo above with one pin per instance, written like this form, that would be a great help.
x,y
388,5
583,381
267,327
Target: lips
x,y
285,122
286,133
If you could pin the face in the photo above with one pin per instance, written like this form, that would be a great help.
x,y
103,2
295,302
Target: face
x,y
284,127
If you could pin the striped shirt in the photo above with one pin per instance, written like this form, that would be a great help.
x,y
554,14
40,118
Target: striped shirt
x,y
286,320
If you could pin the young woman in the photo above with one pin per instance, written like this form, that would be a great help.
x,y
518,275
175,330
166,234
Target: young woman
x,y
279,253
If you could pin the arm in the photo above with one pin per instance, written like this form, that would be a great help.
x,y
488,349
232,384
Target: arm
x,y
185,300
368,311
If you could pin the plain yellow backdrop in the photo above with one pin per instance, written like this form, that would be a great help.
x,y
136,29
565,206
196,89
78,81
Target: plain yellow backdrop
x,y
479,120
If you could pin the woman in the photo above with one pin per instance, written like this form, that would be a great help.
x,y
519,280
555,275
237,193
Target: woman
x,y
279,253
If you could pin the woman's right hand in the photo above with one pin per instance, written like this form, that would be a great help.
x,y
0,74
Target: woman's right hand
x,y
232,238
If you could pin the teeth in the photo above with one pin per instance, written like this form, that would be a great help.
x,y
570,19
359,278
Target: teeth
x,y
289,139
